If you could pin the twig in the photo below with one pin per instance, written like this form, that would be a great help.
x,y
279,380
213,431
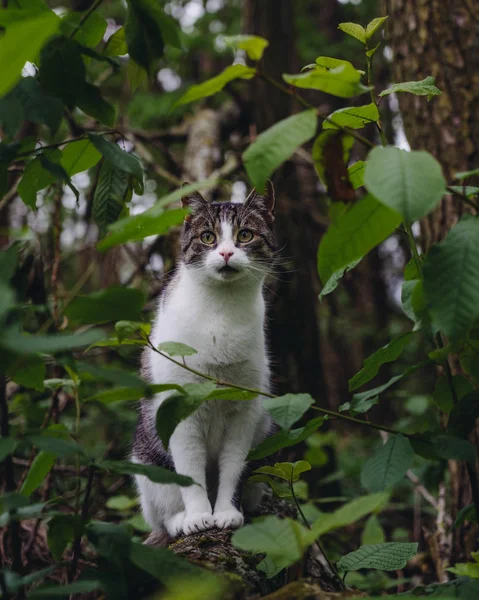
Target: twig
x,y
463,197
84,515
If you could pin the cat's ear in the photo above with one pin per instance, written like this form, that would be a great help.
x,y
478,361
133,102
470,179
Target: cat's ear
x,y
263,201
193,200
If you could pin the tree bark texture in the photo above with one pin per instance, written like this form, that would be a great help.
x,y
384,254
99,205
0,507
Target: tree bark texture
x,y
439,38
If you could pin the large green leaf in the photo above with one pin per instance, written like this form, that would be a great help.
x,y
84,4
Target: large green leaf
x,y
373,26
336,277
36,177
177,349
154,221
111,304
28,102
425,87
91,102
216,84
442,395
13,339
111,193
7,446
283,540
253,45
62,530
354,117
284,439
350,513
28,371
342,81
55,445
153,473
454,448
388,353
462,419
451,282
388,465
179,406
79,156
366,224
373,533
91,31
62,71
410,183
389,556
120,159
286,410
116,44
21,42
275,145
39,469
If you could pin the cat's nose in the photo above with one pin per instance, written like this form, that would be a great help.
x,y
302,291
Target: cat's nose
x,y
226,254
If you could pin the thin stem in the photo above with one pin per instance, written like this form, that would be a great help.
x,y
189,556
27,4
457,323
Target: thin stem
x,y
59,144
80,24
84,515
463,197
13,527
413,247
322,116
372,93
325,411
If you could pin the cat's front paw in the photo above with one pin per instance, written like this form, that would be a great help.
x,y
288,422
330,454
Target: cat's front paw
x,y
198,522
228,519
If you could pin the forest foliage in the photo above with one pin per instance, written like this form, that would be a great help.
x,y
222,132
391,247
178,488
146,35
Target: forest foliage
x,y
54,348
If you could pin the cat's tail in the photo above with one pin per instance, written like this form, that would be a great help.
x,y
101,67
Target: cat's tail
x,y
157,539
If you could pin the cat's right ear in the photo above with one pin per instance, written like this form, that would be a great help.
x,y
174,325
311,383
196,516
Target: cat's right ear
x,y
193,200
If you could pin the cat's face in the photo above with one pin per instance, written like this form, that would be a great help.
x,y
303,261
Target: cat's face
x,y
227,242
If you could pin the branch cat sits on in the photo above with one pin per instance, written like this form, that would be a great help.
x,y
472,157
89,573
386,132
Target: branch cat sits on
x,y
214,303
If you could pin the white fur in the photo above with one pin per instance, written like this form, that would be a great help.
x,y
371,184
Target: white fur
x,y
222,316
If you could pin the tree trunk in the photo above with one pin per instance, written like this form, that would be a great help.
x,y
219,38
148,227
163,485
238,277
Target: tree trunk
x,y
439,38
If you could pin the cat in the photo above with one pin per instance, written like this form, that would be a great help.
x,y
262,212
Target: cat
x,y
214,303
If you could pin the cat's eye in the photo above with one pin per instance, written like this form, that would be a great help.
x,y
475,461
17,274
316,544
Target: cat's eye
x,y
208,237
245,235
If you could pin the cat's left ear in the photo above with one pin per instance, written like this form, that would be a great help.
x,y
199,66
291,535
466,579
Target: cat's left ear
x,y
193,200
263,201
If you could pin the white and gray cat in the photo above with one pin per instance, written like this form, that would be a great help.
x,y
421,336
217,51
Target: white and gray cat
x,y
214,303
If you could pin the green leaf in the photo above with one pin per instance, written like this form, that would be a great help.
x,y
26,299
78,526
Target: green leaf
x,y
131,393
91,102
356,174
292,471
178,407
372,533
453,448
36,178
82,586
62,71
463,417
466,174
79,156
283,540
354,30
467,513
62,530
359,405
366,224
465,190
451,284
333,282
442,395
147,29
284,439
59,173
275,145
120,159
116,44
154,221
372,51
14,340
111,304
350,513
39,469
111,193
121,502
27,102
125,329
253,45
28,371
388,465
286,410
465,570
327,62
22,42
91,31
118,376
410,183
342,81
153,473
177,349
216,84
425,87
7,446
353,117
390,556
373,26
54,445
388,353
